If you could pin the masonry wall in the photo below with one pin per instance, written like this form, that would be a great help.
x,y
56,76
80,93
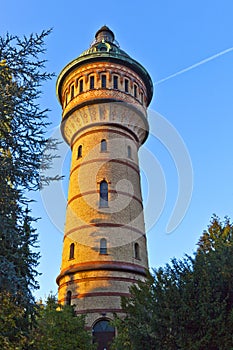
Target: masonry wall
x,y
96,276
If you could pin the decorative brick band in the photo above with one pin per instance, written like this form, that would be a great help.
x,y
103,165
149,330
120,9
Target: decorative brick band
x,y
104,224
109,124
97,278
102,265
95,160
118,132
97,294
111,95
99,311
83,194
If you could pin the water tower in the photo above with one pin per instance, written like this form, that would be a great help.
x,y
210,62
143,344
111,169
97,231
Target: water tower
x,y
104,94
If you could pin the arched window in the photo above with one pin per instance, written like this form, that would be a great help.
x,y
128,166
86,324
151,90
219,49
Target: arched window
x,y
81,85
142,97
136,251
68,297
80,151
103,333
103,81
135,91
72,92
129,152
103,194
126,85
103,48
66,98
103,246
115,82
92,82
72,251
103,145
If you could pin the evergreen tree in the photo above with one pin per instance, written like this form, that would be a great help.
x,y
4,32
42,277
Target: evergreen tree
x,y
12,324
22,147
186,305
58,327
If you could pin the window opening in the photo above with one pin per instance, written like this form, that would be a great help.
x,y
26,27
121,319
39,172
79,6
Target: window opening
x,y
129,152
66,98
80,151
103,334
81,85
103,246
72,92
115,82
136,251
103,81
92,82
135,91
72,251
103,194
68,297
103,48
142,97
126,85
103,146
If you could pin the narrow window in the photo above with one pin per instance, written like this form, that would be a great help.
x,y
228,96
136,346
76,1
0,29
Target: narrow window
x,y
129,152
66,99
81,85
92,82
103,146
115,82
72,251
103,194
72,92
68,297
126,85
103,81
80,151
142,97
103,246
135,91
136,251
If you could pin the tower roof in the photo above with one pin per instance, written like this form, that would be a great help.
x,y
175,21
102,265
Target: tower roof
x,y
104,33
105,47
104,43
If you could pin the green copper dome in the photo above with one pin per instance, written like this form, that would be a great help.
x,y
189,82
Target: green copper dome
x,y
105,43
105,48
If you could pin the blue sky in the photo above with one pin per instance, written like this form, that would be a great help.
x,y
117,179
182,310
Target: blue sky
x,y
166,37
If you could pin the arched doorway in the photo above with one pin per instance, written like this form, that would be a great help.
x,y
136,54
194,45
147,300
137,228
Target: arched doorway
x,y
103,334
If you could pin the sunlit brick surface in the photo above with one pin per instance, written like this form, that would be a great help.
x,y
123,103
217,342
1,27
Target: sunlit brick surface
x,y
98,276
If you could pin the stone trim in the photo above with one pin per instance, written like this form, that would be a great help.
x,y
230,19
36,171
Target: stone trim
x,y
136,168
97,294
98,278
102,265
99,311
104,224
83,194
105,130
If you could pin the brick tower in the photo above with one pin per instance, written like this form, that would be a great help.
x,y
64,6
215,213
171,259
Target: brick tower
x,y
104,94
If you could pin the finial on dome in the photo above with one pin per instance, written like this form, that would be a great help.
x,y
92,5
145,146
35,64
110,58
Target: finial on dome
x,y
104,33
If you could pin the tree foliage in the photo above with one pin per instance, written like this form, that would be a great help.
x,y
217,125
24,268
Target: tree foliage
x,y
186,305
23,126
12,324
58,327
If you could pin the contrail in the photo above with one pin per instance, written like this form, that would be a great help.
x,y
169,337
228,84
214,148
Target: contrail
x,y
194,65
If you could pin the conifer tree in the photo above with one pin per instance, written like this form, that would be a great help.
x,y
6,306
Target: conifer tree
x,y
188,304
58,327
23,126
